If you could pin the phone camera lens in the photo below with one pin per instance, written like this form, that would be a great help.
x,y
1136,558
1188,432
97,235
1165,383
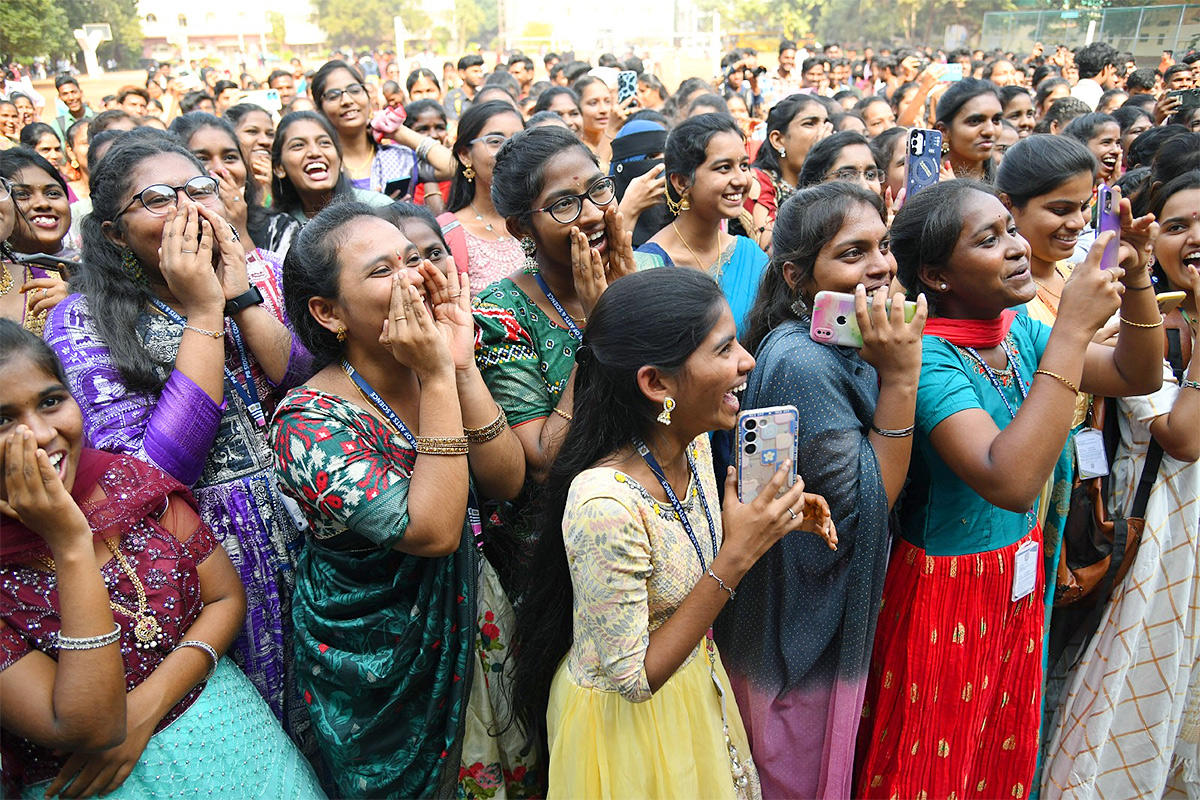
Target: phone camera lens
x,y
751,424
751,436
841,320
750,449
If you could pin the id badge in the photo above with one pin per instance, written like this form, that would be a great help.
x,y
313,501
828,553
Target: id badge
x,y
1025,567
1090,459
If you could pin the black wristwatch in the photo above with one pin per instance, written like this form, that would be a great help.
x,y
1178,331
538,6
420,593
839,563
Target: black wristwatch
x,y
253,297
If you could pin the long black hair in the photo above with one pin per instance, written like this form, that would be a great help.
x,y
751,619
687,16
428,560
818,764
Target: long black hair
x,y
284,196
520,170
470,126
1040,163
687,146
258,219
806,222
657,317
16,341
779,119
116,300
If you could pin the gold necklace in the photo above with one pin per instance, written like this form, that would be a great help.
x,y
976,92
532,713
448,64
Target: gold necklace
x,y
353,170
6,281
699,263
146,629
1047,288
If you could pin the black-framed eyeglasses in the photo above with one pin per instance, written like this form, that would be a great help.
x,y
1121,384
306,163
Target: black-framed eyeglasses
x,y
159,198
871,174
491,142
6,187
566,210
333,95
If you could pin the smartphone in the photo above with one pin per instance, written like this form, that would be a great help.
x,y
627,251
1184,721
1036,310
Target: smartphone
x,y
1188,98
626,85
1109,220
263,98
924,159
1169,301
766,437
954,72
397,188
834,321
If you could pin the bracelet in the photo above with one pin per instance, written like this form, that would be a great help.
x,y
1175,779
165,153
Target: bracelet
x,y
90,642
713,575
1143,324
564,414
895,434
1186,384
489,431
206,647
443,445
213,334
1139,288
425,146
1059,378
433,194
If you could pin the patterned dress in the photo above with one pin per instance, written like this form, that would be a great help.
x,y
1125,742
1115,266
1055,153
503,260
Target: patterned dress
x,y
400,657
219,452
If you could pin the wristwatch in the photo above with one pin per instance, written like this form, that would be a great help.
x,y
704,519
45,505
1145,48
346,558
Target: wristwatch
x,y
253,297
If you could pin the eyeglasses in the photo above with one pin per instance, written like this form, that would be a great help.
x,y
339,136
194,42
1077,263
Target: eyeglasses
x,y
492,142
566,210
333,95
5,188
849,174
159,198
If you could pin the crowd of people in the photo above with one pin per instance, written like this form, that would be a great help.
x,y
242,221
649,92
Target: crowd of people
x,y
235,315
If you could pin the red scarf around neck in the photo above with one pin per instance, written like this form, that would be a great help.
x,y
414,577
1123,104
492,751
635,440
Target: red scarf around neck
x,y
971,332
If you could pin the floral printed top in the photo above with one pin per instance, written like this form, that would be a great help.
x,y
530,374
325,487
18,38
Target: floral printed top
x,y
631,566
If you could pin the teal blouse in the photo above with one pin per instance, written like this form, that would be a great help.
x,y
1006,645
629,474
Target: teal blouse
x,y
941,513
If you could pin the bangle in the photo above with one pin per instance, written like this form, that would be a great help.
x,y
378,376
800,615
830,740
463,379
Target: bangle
x,y
489,431
213,334
564,414
443,445
1143,324
206,647
1186,384
433,194
425,146
713,575
1059,378
90,642
895,434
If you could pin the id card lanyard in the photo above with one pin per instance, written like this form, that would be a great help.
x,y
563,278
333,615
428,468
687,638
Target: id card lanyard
x,y
562,312
248,392
381,405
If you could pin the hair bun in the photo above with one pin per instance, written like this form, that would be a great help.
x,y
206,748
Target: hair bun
x,y
583,355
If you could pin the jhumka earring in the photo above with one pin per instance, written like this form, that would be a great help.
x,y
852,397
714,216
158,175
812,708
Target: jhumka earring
x,y
668,407
469,173
341,333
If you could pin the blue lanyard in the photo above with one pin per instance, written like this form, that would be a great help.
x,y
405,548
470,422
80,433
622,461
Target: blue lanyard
x,y
562,312
1013,362
652,463
249,392
473,515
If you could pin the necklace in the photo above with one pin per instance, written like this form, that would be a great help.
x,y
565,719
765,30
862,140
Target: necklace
x,y
699,262
353,170
1047,289
6,281
146,629
487,226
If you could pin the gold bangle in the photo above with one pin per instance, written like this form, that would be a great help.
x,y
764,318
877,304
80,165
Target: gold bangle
x,y
1058,377
1142,324
489,431
443,445
564,414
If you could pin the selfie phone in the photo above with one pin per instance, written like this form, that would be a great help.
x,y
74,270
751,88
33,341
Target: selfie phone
x,y
924,159
1110,220
267,99
766,437
1188,98
954,72
1169,301
626,85
834,322
397,188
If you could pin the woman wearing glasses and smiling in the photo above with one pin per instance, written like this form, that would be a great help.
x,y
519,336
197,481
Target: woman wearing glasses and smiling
x,y
340,94
177,354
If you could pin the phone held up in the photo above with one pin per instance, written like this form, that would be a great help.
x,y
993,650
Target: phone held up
x,y
924,159
834,321
626,85
766,437
1109,220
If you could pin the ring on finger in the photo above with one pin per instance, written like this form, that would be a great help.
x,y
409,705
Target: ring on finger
x,y
192,252
793,513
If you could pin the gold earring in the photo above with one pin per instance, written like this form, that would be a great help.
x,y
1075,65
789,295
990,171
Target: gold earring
x,y
469,173
945,148
668,407
341,333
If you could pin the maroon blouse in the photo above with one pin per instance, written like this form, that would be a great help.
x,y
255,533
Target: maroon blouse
x,y
165,566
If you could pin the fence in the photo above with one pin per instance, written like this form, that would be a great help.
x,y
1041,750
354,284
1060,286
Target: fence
x,y
1144,31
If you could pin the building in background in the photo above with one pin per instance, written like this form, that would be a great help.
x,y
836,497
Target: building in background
x,y
228,31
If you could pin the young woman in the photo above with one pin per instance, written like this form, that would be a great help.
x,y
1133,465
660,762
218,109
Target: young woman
x,y
27,291
428,118
481,243
255,130
402,666
797,640
340,92
1048,92
9,125
75,150
116,606
214,143
968,115
422,84
1060,114
1134,121
43,206
563,101
708,177
844,156
180,364
420,228
550,190
651,93
1101,134
954,693
596,109
891,155
794,125
630,576
1018,109
306,167
43,140
1145,653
